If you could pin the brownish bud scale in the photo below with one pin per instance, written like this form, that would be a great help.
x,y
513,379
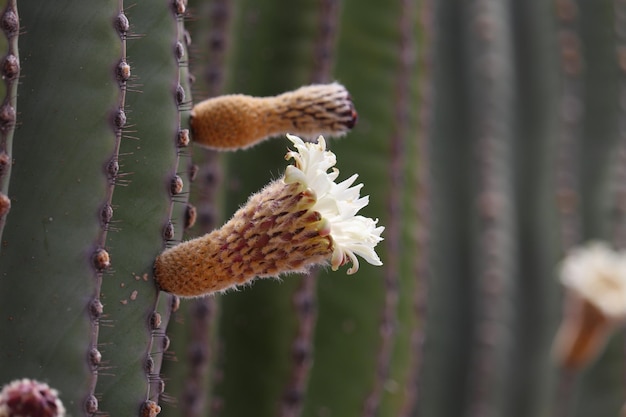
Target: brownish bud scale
x,y
274,232
27,397
238,121
5,162
10,67
106,214
10,23
95,357
150,409
123,71
112,168
176,187
179,51
5,204
155,320
7,117
180,6
149,365
119,118
101,259
191,215
96,309
168,231
179,95
121,24
91,404
183,138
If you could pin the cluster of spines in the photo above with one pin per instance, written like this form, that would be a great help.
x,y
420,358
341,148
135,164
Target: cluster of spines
x,y
10,71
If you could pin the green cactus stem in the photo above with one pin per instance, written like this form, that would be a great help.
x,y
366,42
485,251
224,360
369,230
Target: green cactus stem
x,y
58,188
9,22
93,196
151,203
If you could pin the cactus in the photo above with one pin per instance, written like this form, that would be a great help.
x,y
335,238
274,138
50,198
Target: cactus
x,y
490,139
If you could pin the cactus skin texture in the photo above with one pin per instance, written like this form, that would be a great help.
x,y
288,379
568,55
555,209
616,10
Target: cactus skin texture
x,y
94,198
488,130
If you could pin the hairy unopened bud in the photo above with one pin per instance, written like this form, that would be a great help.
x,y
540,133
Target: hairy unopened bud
x,y
27,397
238,121
275,232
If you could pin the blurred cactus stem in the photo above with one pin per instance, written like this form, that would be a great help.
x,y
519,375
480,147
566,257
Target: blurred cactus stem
x,y
239,121
298,221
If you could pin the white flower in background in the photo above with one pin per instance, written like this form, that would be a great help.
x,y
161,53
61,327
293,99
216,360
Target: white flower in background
x,y
597,274
337,203
295,222
594,277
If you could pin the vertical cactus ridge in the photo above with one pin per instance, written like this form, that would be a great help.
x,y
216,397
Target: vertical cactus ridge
x,y
537,301
619,174
490,80
49,271
100,256
9,22
178,219
305,297
396,242
149,197
324,49
449,326
302,352
220,19
272,53
601,386
349,340
421,207
193,331
571,124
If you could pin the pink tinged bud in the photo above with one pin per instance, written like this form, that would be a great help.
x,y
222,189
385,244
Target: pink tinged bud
x,y
27,397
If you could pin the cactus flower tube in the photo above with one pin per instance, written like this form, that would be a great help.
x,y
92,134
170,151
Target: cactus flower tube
x,y
239,121
595,303
300,220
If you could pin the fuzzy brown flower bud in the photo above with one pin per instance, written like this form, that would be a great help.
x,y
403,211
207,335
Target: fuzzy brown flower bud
x,y
238,121
274,232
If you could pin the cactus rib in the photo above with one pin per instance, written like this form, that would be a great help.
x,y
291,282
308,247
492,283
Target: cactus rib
x,y
421,206
571,105
9,21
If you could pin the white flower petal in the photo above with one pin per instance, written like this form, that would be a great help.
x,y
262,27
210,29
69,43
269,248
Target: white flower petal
x,y
597,273
338,203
